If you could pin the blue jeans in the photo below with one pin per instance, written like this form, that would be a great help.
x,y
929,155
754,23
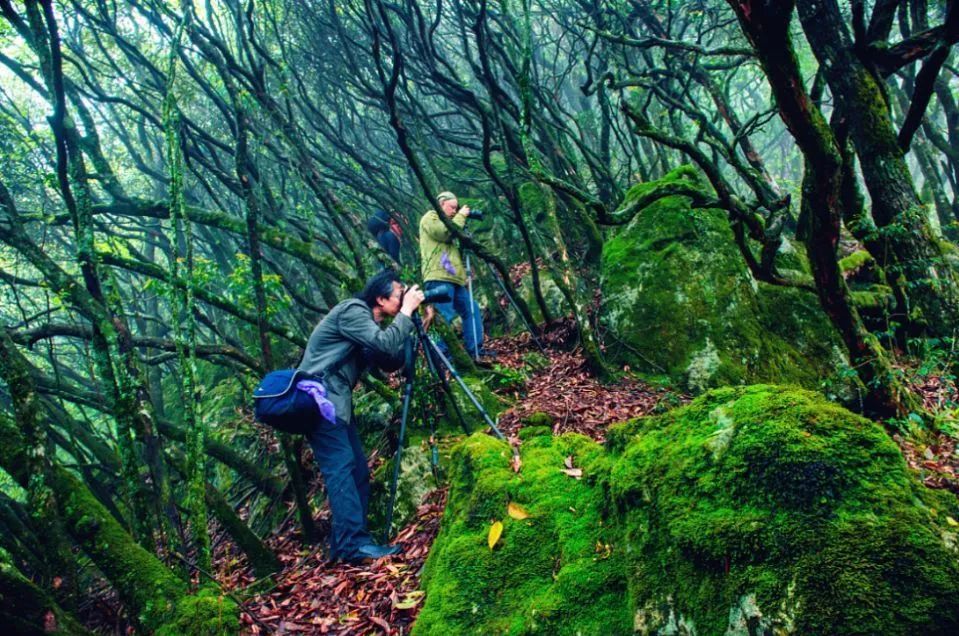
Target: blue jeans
x,y
469,311
339,453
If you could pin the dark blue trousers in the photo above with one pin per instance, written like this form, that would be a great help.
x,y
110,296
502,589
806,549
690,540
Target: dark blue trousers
x,y
460,303
339,454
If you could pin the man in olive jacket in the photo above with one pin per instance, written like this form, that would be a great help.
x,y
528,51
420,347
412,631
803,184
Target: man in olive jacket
x,y
342,347
443,270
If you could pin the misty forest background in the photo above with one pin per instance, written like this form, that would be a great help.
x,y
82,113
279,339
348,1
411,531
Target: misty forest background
x,y
184,190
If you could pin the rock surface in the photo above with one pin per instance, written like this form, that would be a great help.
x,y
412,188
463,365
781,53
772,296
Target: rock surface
x,y
679,299
753,510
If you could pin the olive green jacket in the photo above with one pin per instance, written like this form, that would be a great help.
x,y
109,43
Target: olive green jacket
x,y
441,258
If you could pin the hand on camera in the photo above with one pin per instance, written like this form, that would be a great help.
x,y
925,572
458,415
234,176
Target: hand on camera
x,y
465,210
411,300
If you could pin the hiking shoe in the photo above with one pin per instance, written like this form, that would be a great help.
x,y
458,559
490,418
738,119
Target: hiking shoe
x,y
372,551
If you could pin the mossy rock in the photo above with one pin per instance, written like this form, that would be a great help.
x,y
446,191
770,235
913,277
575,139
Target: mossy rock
x,y
677,293
753,510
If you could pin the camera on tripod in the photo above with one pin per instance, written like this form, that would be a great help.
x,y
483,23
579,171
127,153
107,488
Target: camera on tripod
x,y
476,215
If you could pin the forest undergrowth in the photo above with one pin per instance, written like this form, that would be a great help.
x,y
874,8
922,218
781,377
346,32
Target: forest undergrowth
x,y
546,387
314,595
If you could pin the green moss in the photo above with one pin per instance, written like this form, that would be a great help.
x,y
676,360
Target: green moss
x,y
855,261
148,588
415,482
206,613
878,297
545,574
538,418
678,295
757,506
529,432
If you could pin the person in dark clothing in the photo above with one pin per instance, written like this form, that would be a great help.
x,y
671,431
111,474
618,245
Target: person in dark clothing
x,y
387,232
348,339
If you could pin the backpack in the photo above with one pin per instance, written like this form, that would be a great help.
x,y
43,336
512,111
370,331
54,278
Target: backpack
x,y
279,404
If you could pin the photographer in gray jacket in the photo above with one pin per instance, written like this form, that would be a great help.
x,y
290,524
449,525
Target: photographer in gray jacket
x,y
343,345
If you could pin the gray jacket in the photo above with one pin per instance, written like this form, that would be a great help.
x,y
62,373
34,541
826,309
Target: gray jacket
x,y
346,331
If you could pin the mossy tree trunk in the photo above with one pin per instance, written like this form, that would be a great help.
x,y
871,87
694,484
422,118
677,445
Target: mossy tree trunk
x,y
909,251
184,321
767,27
246,173
27,609
147,587
114,352
151,592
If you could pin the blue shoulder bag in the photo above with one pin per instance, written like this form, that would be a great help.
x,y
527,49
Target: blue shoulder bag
x,y
279,404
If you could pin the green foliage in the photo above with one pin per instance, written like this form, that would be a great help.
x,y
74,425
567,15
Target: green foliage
x,y
240,285
764,506
205,613
535,361
11,488
504,379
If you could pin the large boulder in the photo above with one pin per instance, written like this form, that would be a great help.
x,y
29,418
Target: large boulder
x,y
754,510
679,301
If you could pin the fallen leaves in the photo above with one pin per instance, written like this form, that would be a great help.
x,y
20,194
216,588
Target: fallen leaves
x,y
566,391
315,596
516,511
936,463
495,532
570,470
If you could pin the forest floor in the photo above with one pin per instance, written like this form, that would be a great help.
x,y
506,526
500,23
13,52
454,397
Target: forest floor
x,y
315,596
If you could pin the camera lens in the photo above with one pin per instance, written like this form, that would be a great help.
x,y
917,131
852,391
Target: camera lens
x,y
436,296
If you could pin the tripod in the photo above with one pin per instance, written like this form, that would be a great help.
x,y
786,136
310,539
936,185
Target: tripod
x,y
436,362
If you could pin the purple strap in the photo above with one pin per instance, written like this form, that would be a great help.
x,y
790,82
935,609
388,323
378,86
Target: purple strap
x,y
447,265
318,392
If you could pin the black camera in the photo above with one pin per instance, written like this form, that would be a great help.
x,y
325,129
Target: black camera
x,y
476,215
435,296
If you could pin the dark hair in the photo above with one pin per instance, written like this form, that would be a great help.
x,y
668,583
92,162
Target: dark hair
x,y
379,286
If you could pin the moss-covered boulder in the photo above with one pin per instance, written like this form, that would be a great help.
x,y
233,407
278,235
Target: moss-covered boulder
x,y
679,301
754,510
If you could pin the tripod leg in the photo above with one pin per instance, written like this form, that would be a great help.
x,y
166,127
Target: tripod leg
x,y
444,383
476,403
473,306
407,397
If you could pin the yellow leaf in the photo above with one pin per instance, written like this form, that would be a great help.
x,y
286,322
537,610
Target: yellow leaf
x,y
495,531
516,511
951,521
411,600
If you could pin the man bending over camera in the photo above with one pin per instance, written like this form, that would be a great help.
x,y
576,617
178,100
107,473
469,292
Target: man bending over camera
x,y
342,347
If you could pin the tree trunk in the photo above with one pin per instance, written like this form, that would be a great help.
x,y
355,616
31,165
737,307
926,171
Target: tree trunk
x,y
767,27
910,253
